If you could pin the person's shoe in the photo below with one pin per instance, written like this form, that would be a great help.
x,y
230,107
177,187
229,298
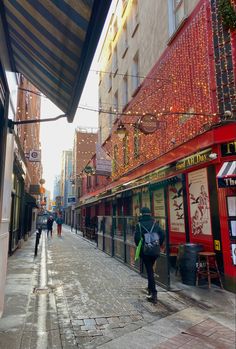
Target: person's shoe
x,y
152,298
148,292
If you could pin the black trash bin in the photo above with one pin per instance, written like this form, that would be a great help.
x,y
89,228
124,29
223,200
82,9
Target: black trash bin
x,y
187,261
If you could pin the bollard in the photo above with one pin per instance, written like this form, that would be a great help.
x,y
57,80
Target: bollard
x,y
36,243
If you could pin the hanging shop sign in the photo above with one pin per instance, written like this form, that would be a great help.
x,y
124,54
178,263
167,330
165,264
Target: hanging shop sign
x,y
103,162
228,149
35,155
34,189
148,124
194,159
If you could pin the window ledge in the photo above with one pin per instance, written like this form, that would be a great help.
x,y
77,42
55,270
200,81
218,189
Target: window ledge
x,y
124,51
136,91
177,30
135,29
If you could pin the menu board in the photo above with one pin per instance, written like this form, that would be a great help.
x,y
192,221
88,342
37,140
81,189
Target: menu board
x,y
145,199
136,205
159,203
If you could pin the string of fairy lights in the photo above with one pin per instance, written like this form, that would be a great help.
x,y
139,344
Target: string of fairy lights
x,y
185,97
188,64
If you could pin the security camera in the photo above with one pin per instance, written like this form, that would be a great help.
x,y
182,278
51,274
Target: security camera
x,y
212,156
228,114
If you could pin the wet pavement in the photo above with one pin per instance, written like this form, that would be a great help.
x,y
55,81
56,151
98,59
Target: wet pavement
x,y
74,296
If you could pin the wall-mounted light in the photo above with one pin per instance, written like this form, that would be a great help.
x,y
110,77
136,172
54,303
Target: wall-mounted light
x,y
213,156
121,131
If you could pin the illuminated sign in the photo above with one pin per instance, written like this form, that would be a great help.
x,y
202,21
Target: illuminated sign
x,y
228,149
193,160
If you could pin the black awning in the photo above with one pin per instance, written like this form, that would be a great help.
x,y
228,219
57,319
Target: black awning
x,y
227,175
52,43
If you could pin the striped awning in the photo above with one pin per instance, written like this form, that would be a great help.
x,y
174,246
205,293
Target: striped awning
x,y
228,170
52,43
226,177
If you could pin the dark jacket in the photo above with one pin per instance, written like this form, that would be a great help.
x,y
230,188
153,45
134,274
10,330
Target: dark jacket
x,y
147,221
50,223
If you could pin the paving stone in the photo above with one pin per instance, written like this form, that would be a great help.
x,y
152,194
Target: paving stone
x,y
101,321
89,322
97,302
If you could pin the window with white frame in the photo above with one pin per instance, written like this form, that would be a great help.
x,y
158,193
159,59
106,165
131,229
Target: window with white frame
x,y
134,17
109,50
114,62
115,29
124,40
109,81
124,5
125,90
115,102
135,72
176,10
110,119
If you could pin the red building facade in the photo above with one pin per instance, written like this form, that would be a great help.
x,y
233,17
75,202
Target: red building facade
x,y
178,170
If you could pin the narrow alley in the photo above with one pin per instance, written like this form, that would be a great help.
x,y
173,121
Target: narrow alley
x,y
73,295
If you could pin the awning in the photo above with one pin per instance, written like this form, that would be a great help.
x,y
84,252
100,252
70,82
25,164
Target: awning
x,y
52,43
227,175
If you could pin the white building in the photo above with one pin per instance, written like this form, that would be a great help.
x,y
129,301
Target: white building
x,y
138,33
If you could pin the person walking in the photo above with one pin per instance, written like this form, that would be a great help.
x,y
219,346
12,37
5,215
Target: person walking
x,y
152,238
59,222
49,225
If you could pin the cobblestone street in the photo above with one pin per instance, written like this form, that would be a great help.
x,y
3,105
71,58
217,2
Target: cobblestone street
x,y
73,295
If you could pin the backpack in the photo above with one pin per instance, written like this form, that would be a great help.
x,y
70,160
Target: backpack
x,y
151,245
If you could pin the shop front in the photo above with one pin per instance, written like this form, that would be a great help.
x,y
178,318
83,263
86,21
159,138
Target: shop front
x,y
184,191
226,182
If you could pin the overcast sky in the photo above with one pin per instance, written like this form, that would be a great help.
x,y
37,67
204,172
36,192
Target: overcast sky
x,y
57,136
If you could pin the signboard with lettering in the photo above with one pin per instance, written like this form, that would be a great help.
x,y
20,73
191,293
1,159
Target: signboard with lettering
x,y
194,159
228,149
34,189
103,162
148,123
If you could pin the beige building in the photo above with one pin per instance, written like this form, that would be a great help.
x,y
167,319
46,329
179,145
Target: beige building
x,y
139,31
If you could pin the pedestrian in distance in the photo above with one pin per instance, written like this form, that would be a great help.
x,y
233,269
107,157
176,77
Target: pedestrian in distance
x,y
59,222
49,225
149,237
